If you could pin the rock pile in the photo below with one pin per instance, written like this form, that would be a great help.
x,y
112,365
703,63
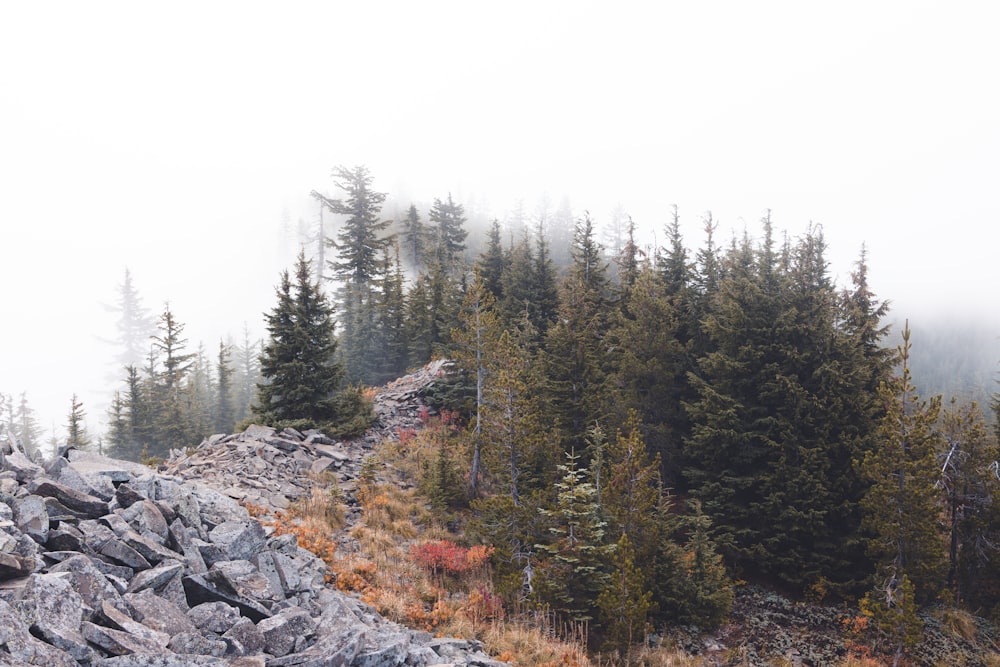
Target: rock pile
x,y
274,469
106,563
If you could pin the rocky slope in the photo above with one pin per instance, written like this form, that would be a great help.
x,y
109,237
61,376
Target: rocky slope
x,y
108,563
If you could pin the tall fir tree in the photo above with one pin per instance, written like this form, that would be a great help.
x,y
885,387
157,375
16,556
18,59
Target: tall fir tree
x,y
359,247
416,239
449,233
574,573
903,504
473,343
298,364
76,426
224,410
25,426
969,484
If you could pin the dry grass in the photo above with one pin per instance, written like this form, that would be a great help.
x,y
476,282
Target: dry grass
x,y
959,623
321,511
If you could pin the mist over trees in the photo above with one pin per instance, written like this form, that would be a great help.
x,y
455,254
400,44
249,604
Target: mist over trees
x,y
636,427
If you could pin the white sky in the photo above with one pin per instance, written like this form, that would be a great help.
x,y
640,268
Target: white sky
x,y
170,137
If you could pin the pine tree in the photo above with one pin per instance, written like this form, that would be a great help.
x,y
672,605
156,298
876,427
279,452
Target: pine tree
x,y
135,325
493,262
25,426
171,419
359,244
246,374
632,493
903,504
448,219
969,484
474,342
416,239
224,414
301,374
692,586
650,370
76,427
574,575
625,602
391,360
575,348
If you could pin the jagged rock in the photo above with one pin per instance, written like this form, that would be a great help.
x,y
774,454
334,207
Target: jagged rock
x,y
157,613
156,578
16,641
86,505
22,467
145,517
214,586
65,537
284,631
217,617
195,643
121,621
32,518
14,566
162,660
244,638
118,642
122,553
241,540
56,612
89,583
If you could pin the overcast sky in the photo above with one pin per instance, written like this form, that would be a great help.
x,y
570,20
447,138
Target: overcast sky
x,y
172,139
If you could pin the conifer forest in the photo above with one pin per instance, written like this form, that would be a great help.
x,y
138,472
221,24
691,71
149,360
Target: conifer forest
x,y
635,432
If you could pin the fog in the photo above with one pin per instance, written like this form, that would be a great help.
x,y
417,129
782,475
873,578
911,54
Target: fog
x,y
181,141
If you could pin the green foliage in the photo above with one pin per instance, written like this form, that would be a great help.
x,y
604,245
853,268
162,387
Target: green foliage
x,y
76,428
625,602
573,574
298,364
893,607
903,503
692,585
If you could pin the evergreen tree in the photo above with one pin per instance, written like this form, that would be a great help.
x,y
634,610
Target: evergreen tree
x,y
448,219
625,602
172,419
575,349
516,284
474,342
544,293
493,262
969,485
650,370
224,413
359,244
391,359
691,585
574,576
246,374
76,427
360,248
135,325
118,427
632,493
421,327
416,239
902,506
25,427
298,364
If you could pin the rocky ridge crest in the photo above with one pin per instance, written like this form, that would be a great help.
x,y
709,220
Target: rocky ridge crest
x,y
107,563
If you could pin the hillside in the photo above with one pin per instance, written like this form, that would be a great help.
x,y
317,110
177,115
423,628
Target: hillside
x,y
170,568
